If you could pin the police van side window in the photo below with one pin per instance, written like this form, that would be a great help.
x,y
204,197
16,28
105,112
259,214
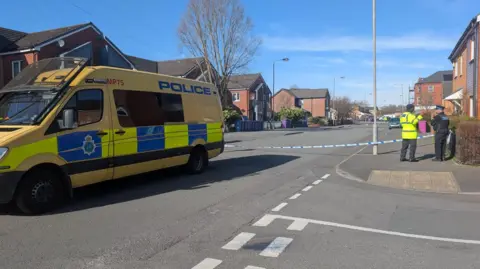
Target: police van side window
x,y
137,108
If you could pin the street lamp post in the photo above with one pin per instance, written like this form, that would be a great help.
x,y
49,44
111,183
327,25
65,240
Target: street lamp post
x,y
374,26
333,102
273,84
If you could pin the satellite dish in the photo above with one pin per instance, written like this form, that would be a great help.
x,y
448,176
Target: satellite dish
x,y
61,43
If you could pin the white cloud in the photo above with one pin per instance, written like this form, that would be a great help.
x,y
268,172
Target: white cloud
x,y
422,41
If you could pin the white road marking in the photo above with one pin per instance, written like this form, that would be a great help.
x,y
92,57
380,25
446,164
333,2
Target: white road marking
x,y
238,242
279,207
269,218
253,267
316,182
297,225
208,264
325,176
295,196
264,221
307,188
276,247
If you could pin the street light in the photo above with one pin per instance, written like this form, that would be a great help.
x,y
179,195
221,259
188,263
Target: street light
x,y
333,103
273,92
374,26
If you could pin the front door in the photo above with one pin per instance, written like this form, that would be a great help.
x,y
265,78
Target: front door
x,y
86,148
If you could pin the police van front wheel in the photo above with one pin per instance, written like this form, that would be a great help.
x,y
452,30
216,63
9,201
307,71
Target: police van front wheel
x,y
40,191
198,161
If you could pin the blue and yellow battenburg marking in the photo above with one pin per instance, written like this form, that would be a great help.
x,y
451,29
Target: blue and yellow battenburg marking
x,y
81,146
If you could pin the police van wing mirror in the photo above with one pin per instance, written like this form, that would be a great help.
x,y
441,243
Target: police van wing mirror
x,y
68,119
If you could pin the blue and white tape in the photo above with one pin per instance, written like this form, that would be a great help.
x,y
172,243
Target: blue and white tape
x,y
330,146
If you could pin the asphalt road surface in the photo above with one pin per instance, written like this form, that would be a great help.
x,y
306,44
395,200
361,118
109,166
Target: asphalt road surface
x,y
254,209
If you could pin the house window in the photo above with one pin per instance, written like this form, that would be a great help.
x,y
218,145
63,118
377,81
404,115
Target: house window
x,y
235,97
455,67
472,50
418,89
431,88
418,100
16,68
461,65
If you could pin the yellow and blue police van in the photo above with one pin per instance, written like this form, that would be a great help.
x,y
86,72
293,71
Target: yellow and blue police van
x,y
67,125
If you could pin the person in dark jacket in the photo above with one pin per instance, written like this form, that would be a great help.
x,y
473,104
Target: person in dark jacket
x,y
440,125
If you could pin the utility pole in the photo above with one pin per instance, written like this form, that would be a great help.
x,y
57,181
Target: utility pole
x,y
273,84
375,129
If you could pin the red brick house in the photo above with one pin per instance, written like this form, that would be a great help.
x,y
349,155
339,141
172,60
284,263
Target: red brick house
x,y
466,70
315,101
251,94
19,49
430,91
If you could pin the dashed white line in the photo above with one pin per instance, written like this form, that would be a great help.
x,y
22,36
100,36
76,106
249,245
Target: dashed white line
x,y
295,196
298,225
325,176
279,207
238,242
208,264
253,267
316,182
267,219
276,247
307,188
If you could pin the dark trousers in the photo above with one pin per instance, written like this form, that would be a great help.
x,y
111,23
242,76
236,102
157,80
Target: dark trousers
x,y
440,144
413,147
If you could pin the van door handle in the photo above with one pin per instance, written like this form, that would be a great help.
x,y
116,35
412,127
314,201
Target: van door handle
x,y
120,132
101,133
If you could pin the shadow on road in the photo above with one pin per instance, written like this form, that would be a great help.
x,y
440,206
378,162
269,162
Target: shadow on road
x,y
164,181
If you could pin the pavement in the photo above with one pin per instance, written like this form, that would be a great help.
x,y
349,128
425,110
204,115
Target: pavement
x,y
385,169
252,209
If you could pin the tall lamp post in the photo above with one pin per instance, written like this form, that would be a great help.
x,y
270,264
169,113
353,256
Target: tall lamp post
x,y
273,92
401,95
333,102
374,26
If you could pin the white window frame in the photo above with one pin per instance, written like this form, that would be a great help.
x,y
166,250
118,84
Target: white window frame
x,y
461,65
19,62
431,88
235,96
455,67
418,100
472,50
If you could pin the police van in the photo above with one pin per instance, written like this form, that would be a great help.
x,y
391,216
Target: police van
x,y
66,125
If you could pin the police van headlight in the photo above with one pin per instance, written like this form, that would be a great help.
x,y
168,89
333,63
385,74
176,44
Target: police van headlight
x,y
3,152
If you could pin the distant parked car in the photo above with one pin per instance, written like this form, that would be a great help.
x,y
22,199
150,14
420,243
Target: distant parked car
x,y
394,123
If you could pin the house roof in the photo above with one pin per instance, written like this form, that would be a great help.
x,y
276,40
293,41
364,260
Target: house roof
x,y
242,81
9,36
30,40
456,50
144,64
179,67
439,76
308,93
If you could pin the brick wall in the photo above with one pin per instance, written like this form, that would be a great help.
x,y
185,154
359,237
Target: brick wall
x,y
6,67
243,103
316,106
477,62
423,97
283,99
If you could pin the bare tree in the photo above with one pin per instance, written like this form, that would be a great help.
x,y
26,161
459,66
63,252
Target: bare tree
x,y
220,33
343,106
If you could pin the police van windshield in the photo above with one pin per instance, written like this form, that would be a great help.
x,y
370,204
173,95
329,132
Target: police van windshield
x,y
23,108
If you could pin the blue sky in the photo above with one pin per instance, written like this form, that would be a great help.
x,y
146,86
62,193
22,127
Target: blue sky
x,y
323,39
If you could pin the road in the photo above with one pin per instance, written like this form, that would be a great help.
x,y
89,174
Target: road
x,y
251,209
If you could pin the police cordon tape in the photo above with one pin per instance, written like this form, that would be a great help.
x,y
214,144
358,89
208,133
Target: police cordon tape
x,y
327,146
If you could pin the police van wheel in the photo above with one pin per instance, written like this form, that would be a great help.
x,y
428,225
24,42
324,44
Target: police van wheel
x,y
198,161
39,192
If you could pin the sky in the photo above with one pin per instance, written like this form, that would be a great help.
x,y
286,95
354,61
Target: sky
x,y
324,39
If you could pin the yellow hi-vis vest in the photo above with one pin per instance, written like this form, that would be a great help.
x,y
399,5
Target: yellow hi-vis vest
x,y
409,125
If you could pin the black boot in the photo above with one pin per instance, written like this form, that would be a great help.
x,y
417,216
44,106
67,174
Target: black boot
x,y
403,159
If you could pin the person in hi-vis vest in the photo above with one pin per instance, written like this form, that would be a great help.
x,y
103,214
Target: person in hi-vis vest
x,y
409,122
